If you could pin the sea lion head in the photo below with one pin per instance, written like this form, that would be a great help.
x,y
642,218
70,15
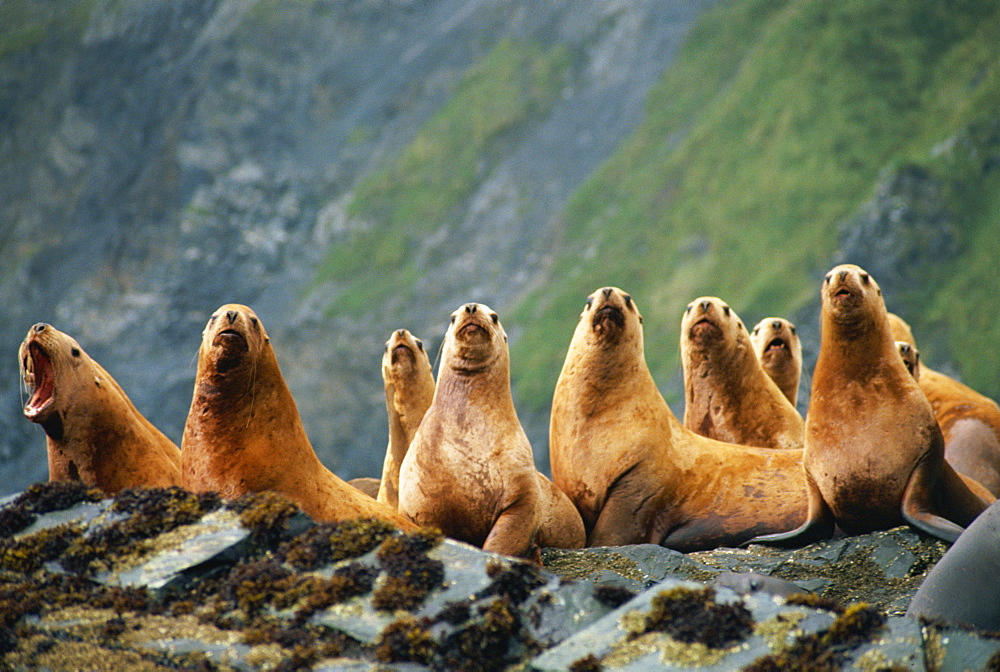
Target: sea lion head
x,y
475,340
775,338
231,343
911,358
54,369
403,352
609,317
710,325
851,300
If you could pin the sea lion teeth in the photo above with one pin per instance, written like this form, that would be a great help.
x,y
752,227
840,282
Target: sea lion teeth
x,y
93,432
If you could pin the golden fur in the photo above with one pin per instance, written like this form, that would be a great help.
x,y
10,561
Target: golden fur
x,y
93,431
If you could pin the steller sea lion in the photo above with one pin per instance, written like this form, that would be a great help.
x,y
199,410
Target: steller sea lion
x,y
636,474
874,455
969,420
470,470
911,360
243,432
409,390
93,431
727,394
779,350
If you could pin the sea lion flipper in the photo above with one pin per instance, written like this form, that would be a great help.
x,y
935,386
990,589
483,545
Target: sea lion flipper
x,y
819,523
963,504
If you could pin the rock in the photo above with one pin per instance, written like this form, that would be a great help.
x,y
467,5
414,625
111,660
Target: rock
x,y
252,583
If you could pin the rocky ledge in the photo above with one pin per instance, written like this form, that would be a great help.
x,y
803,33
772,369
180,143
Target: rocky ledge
x,y
157,579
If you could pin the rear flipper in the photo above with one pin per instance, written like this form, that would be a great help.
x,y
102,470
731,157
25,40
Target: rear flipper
x,y
819,523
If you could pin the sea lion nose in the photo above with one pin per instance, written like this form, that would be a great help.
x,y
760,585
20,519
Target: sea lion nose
x,y
231,314
607,292
470,308
776,325
905,348
705,305
400,332
40,327
842,275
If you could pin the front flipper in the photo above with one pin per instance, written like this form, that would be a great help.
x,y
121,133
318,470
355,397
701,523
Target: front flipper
x,y
954,496
819,523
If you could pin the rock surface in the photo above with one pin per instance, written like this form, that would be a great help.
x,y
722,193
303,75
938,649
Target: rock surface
x,y
163,578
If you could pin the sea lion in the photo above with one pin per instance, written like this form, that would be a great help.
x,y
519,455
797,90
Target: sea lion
x,y
779,350
409,390
970,421
727,394
243,432
469,470
874,455
93,431
962,588
911,360
636,474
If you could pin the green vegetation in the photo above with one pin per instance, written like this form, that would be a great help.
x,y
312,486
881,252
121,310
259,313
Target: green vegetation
x,y
425,186
766,133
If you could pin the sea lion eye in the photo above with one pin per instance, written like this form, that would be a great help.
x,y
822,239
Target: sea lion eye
x,y
688,309
756,330
828,277
495,318
865,278
255,323
75,352
590,302
794,331
453,319
420,344
725,309
628,301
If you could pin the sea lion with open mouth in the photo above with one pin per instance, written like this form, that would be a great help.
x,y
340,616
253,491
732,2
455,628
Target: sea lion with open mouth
x,y
93,431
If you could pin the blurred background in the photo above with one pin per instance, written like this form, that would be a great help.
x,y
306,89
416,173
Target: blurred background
x,y
348,168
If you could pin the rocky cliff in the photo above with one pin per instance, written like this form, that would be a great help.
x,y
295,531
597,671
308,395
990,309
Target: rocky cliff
x,y
159,159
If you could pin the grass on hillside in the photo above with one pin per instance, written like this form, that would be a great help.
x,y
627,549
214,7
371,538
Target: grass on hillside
x,y
769,130
428,183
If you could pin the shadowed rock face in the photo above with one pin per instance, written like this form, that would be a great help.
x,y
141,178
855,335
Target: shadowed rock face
x,y
180,578
164,158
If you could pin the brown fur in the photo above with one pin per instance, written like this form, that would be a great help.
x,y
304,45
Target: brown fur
x,y
93,432
727,394
969,420
470,469
636,474
243,432
779,351
874,455
409,389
